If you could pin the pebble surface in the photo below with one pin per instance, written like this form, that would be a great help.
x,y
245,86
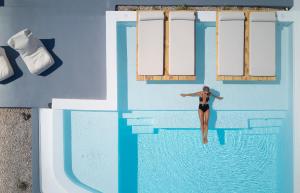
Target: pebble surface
x,y
15,150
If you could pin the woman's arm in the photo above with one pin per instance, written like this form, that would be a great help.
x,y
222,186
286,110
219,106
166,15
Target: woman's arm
x,y
191,94
218,97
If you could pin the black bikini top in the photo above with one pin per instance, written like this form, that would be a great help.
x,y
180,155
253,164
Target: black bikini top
x,y
201,99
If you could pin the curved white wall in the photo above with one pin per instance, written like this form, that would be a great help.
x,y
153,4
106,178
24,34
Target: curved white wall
x,y
52,176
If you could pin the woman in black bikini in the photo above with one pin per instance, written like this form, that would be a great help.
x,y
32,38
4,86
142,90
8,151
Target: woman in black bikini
x,y
203,110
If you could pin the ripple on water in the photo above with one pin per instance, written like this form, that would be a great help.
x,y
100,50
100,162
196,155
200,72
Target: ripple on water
x,y
173,161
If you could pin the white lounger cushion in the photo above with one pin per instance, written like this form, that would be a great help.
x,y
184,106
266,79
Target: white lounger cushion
x,y
182,43
231,43
150,42
262,44
32,51
6,70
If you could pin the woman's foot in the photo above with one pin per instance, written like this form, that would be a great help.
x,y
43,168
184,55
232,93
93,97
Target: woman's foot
x,y
204,140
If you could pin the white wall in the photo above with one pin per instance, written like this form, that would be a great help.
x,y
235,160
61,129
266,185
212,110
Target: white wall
x,y
296,5
296,17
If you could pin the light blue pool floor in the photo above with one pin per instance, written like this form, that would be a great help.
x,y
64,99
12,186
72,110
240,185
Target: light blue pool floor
x,y
250,131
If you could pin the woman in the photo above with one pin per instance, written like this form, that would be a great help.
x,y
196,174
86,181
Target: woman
x,y
203,110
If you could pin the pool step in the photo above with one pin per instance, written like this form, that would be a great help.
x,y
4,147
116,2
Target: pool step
x,y
142,130
257,121
262,130
128,116
140,121
267,122
137,114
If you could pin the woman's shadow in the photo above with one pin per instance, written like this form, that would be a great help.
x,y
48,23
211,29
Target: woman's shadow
x,y
213,118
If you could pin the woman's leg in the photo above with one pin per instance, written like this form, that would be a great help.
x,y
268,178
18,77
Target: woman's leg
x,y
206,119
201,118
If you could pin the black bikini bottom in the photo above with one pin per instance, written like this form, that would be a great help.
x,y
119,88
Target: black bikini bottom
x,y
203,107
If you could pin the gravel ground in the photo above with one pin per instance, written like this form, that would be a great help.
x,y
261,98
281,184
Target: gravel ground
x,y
15,151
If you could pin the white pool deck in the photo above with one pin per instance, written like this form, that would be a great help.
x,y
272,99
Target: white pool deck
x,y
53,177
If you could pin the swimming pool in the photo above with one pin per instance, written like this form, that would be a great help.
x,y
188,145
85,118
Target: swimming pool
x,y
161,151
159,147
151,143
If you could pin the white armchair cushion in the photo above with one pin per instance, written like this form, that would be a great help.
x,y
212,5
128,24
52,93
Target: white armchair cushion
x,y
32,51
6,70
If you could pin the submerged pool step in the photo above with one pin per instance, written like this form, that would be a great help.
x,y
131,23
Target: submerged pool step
x,y
142,130
262,130
140,121
218,119
137,114
267,122
129,116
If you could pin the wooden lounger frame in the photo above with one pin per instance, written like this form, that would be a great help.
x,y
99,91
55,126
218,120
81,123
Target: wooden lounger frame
x,y
166,75
246,75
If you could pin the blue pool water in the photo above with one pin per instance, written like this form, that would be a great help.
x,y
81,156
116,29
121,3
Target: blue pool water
x,y
250,130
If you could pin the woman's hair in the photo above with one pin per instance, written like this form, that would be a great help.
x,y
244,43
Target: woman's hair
x,y
206,88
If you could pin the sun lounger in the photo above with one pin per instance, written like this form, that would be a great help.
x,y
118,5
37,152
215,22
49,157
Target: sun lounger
x,y
32,51
262,46
6,70
150,56
181,43
230,43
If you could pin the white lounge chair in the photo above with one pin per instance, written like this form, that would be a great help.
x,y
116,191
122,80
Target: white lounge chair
x,y
231,43
150,42
6,70
32,51
262,45
181,43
